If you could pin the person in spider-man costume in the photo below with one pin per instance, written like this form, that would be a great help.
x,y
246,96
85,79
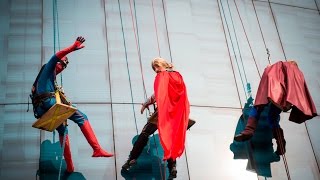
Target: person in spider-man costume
x,y
43,99
282,87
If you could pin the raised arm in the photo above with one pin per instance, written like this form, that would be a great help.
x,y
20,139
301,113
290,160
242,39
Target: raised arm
x,y
74,47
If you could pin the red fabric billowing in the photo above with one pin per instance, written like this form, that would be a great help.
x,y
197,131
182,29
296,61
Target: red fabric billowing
x,y
173,112
283,84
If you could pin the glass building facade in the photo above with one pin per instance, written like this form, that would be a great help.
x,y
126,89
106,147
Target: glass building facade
x,y
217,45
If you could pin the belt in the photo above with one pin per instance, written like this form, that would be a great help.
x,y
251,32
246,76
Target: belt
x,y
37,99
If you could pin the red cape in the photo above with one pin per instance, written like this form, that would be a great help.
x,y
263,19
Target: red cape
x,y
283,84
173,108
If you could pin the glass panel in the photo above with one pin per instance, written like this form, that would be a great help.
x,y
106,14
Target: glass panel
x,y
109,79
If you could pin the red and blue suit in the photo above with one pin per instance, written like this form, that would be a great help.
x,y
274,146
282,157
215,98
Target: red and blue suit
x,y
43,99
282,87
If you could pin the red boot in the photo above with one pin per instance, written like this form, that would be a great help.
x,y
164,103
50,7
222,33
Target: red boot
x,y
248,131
92,140
67,154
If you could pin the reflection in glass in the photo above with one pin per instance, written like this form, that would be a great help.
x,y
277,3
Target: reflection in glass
x,y
259,150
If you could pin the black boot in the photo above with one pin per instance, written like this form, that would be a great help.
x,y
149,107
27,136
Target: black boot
x,y
136,150
281,142
248,131
172,166
129,163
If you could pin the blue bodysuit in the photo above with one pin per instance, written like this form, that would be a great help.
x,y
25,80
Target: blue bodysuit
x,y
46,84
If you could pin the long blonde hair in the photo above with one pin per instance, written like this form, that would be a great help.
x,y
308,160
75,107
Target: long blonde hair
x,y
160,62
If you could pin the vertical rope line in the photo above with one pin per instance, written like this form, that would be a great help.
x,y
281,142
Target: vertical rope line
x,y
109,77
156,29
54,41
54,26
229,53
57,21
281,145
283,155
128,70
236,59
138,45
58,34
23,118
238,47
246,35
162,171
225,36
315,1
275,23
314,153
171,60
264,42
41,64
62,152
56,31
165,20
139,53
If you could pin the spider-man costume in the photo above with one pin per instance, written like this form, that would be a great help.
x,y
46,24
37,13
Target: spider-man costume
x,y
43,99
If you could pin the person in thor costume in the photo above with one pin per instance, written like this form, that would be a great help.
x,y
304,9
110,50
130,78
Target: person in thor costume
x,y
170,94
43,99
282,87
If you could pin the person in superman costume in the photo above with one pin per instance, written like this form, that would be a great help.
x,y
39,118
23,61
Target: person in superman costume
x,y
170,94
43,99
282,87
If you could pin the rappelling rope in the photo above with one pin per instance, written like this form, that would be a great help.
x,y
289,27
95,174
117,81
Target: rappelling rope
x,y
128,69
56,39
243,120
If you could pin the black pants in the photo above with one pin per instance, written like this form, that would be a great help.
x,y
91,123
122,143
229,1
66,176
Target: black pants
x,y
142,140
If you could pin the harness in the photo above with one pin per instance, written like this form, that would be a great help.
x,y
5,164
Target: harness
x,y
38,99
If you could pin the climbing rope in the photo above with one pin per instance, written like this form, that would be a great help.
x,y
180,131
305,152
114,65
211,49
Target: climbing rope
x,y
249,146
56,40
136,35
278,130
238,47
128,69
165,21
156,28
109,78
264,42
246,35
278,133
286,164
225,35
233,50
275,23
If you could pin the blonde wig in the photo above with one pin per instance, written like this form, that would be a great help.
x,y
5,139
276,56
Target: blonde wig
x,y
160,62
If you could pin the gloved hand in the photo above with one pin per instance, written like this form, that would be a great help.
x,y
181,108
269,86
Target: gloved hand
x,y
78,43
149,101
144,106
74,47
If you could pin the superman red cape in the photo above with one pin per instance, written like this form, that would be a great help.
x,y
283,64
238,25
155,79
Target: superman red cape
x,y
173,108
283,84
